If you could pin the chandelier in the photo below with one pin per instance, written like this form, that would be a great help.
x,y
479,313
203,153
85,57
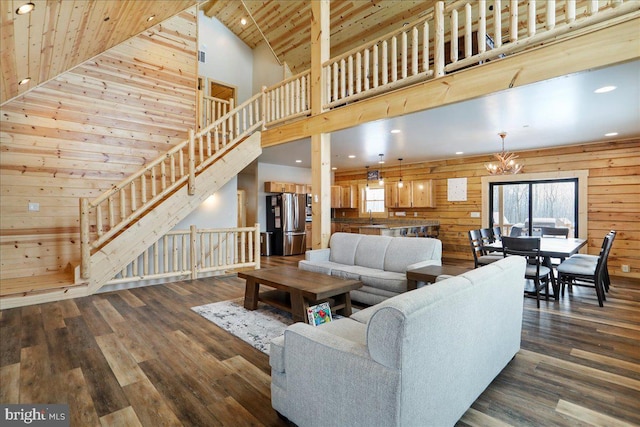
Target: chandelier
x,y
506,161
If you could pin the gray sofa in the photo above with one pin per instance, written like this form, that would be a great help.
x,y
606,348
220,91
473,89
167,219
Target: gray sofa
x,y
379,262
417,359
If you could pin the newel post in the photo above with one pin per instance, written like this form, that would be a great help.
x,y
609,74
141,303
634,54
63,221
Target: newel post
x,y
193,253
192,163
438,56
256,245
85,246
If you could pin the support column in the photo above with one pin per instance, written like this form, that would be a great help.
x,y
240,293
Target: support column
x,y
320,143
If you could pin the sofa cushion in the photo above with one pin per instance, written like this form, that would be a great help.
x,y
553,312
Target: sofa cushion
x,y
343,247
386,280
276,354
404,251
370,296
371,250
348,329
323,267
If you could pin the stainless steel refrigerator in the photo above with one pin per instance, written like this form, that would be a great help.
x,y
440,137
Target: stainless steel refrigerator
x,y
286,221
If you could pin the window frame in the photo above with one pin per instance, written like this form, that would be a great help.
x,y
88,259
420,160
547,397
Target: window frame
x,y
362,211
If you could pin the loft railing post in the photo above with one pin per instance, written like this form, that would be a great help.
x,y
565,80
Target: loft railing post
x,y
85,246
193,253
192,164
256,245
439,39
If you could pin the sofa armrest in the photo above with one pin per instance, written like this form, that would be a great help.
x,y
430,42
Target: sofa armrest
x,y
317,255
424,264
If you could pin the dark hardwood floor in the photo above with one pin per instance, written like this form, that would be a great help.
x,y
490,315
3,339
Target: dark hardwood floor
x,y
142,357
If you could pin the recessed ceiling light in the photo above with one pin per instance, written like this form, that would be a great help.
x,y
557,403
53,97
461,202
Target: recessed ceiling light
x,y
334,168
611,134
25,8
604,89
24,81
395,131
459,152
243,21
151,18
298,161
351,156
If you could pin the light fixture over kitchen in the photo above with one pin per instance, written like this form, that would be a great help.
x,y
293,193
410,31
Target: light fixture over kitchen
x,y
400,183
506,161
381,161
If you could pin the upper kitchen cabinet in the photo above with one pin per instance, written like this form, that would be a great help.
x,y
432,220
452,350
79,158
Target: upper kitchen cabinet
x,y
349,196
422,194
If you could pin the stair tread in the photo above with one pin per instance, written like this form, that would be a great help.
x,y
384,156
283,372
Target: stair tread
x,y
36,284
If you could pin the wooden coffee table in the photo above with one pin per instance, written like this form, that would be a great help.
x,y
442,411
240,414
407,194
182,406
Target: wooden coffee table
x,y
296,289
429,274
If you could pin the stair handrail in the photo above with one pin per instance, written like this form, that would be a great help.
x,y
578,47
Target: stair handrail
x,y
237,124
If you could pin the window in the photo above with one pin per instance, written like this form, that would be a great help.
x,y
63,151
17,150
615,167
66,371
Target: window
x,y
374,199
522,208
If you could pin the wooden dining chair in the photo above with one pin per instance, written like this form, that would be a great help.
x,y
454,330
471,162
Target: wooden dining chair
x,y
580,271
480,257
497,233
529,247
594,258
560,232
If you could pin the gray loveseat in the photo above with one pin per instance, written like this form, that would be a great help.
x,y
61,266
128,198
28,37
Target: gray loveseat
x,y
379,262
418,359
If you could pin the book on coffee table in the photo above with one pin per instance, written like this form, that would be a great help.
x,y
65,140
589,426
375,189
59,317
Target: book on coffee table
x,y
319,314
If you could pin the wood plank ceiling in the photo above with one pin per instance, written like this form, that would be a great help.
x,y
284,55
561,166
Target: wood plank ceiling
x,y
59,35
285,23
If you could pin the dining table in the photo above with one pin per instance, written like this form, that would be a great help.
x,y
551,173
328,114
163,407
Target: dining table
x,y
550,247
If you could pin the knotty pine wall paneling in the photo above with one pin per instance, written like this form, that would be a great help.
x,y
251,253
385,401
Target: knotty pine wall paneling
x,y
613,195
83,132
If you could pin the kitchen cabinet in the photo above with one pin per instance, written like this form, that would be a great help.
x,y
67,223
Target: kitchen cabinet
x,y
279,187
349,196
336,196
422,194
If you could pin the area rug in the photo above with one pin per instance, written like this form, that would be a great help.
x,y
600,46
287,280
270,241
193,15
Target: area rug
x,y
257,327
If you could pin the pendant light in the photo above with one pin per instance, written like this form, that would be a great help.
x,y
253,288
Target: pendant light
x,y
400,183
380,162
506,161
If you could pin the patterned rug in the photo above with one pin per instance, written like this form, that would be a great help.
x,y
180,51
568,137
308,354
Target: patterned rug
x,y
256,327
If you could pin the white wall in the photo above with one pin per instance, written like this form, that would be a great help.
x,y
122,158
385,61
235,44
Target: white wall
x,y
229,59
266,69
269,172
219,211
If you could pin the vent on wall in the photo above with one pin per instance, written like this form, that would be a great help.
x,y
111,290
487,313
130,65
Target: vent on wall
x,y
202,56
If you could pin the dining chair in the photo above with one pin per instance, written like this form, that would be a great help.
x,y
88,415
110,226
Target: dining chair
x,y
559,232
497,233
594,259
487,238
529,247
432,231
580,271
480,256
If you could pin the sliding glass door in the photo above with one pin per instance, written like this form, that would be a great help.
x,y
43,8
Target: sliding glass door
x,y
522,208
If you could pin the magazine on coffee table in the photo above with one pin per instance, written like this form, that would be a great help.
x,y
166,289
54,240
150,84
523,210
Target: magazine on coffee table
x,y
319,314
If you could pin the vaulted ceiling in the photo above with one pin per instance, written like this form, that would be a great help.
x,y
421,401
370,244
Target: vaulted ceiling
x,y
285,23
58,35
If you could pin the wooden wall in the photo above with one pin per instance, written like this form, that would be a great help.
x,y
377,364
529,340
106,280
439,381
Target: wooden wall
x,y
613,195
83,132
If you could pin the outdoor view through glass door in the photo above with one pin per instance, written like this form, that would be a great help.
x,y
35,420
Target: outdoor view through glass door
x,y
551,204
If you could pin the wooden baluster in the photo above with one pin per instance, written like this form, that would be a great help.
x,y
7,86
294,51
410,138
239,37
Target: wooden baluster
x,y
385,63
570,11
203,250
244,120
163,176
99,229
375,65
350,76
551,15
287,100
112,221
133,195
165,254
181,163
274,106
531,18
234,237
229,239
281,113
223,133
145,262
156,264
256,246
243,242
250,116
468,31
403,55
211,250
85,244
367,80
123,198
394,59
497,23
425,47
172,168
192,165
216,139
134,268
176,252
250,246
513,26
343,79
143,189
358,72
193,252
593,7
237,125
209,152
220,242
454,35
154,183
124,272
414,51
482,26
438,55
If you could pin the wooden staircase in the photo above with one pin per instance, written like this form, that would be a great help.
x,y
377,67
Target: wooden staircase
x,y
123,222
